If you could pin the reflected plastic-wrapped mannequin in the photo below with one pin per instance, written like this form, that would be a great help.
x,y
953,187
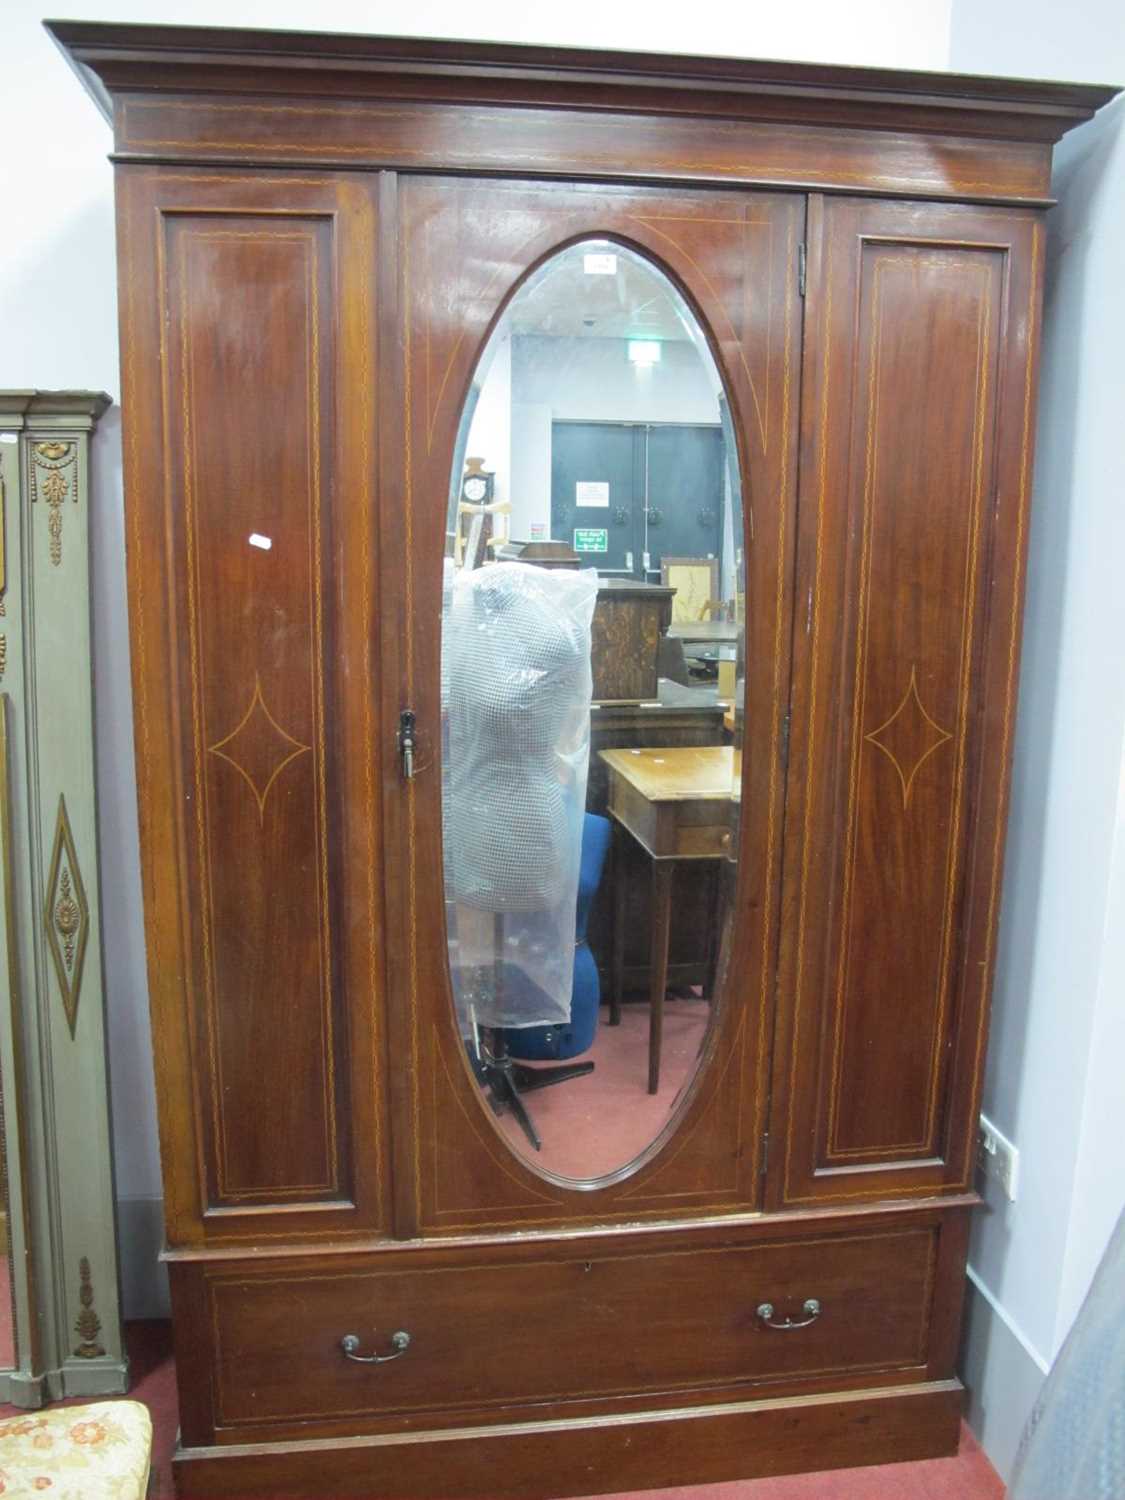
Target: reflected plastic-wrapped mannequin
x,y
516,675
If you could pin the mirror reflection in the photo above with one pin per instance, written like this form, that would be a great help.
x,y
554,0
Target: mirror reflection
x,y
591,684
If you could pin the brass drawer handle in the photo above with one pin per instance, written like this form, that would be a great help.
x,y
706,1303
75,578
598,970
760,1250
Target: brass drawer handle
x,y
400,1343
811,1310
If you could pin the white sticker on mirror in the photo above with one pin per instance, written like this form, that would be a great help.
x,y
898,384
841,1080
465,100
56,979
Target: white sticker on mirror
x,y
600,265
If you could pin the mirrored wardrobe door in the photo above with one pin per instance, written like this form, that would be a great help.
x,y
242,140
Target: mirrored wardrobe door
x,y
603,392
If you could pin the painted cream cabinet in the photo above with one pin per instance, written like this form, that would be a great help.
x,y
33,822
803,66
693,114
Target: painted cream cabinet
x,y
62,1264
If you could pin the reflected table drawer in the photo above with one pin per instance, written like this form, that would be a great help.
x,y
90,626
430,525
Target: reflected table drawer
x,y
675,801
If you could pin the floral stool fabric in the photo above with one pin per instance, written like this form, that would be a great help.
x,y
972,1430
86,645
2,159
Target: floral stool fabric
x,y
95,1452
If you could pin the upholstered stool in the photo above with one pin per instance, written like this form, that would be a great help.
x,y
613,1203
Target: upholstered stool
x,y
100,1451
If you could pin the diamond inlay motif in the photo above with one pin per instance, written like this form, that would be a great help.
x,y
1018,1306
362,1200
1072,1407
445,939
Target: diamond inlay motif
x,y
258,748
66,916
909,737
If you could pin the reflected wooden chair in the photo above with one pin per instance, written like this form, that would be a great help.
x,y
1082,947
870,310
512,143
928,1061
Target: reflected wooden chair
x,y
696,581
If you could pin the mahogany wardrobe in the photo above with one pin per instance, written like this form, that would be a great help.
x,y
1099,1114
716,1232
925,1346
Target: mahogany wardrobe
x,y
377,1288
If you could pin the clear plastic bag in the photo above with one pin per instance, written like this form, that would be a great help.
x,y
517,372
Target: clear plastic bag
x,y
517,683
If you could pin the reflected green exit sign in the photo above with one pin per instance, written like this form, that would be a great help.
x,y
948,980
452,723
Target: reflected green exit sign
x,y
591,539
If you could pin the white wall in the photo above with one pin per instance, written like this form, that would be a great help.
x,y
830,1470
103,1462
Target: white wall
x,y
1054,1079
585,379
58,329
531,469
490,436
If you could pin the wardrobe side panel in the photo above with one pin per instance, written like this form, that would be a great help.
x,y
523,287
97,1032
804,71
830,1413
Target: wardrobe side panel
x,y
915,472
249,338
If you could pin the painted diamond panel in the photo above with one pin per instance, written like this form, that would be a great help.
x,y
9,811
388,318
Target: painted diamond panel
x,y
66,916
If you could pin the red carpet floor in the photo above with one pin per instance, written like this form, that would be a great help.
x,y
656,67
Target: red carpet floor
x,y
969,1476
7,1328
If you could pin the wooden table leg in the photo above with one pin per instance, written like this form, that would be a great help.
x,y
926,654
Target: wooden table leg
x,y
714,931
658,964
619,893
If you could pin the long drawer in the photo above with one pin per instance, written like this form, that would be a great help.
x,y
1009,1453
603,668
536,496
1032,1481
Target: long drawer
x,y
563,1326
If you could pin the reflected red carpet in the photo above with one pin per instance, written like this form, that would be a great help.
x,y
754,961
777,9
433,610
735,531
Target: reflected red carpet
x,y
969,1476
593,1125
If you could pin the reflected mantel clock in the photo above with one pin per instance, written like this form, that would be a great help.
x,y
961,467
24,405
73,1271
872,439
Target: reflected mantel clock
x,y
375,1288
476,486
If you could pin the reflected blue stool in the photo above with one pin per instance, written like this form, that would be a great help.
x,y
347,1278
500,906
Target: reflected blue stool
x,y
556,1042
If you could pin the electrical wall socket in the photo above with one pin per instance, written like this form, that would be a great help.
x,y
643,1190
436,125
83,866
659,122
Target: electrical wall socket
x,y
998,1158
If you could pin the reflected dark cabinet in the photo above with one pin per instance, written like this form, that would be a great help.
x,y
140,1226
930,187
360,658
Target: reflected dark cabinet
x,y
627,628
318,236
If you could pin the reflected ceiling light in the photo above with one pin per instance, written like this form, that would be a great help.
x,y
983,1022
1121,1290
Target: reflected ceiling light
x,y
644,352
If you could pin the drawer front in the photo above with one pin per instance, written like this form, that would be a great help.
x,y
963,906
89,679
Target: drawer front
x,y
703,831
691,830
523,1331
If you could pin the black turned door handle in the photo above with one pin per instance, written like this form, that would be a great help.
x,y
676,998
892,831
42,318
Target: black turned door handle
x,y
811,1310
400,1343
407,725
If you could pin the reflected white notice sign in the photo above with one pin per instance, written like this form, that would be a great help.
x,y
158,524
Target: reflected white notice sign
x,y
592,492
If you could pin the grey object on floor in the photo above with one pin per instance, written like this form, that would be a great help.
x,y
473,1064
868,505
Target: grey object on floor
x,y
1073,1447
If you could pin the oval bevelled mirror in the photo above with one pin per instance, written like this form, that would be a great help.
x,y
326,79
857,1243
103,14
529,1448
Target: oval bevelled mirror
x,y
591,684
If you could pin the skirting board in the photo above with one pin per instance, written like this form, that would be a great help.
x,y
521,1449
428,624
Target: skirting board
x,y
102,1376
109,1377
144,1280
596,1455
1002,1381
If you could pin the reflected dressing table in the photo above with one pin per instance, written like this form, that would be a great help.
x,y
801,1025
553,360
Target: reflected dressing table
x,y
676,804
775,1282
704,632
678,717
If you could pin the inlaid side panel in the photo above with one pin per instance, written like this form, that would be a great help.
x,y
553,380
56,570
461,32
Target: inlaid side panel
x,y
268,578
930,322
909,454
250,372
